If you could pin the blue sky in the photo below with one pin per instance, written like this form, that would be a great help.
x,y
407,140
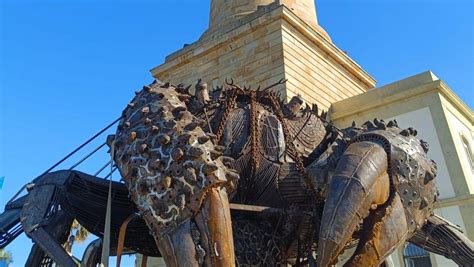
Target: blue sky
x,y
68,68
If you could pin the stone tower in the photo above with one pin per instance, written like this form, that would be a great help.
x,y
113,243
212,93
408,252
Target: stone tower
x,y
258,42
225,13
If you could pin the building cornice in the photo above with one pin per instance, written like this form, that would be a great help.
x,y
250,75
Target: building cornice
x,y
454,99
385,96
455,201
377,98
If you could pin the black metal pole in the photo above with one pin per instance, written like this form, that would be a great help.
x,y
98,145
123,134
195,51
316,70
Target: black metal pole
x,y
81,146
69,155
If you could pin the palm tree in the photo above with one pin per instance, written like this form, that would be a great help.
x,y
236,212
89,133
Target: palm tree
x,y
78,234
5,257
81,232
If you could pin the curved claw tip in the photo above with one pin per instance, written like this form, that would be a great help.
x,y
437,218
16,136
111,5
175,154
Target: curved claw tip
x,y
229,83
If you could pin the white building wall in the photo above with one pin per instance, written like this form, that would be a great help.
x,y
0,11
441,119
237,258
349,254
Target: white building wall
x,y
397,261
459,128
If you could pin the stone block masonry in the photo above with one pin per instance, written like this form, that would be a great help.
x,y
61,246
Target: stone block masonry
x,y
261,44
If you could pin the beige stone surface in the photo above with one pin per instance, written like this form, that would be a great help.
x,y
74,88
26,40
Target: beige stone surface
x,y
254,58
225,14
304,9
274,45
313,73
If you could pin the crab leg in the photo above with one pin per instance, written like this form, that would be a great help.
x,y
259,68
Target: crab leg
x,y
203,240
383,231
214,223
444,238
360,183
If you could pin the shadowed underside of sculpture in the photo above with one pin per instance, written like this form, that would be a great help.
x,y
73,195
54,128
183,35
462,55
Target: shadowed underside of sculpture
x,y
258,237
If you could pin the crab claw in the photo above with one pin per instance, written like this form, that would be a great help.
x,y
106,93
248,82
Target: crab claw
x,y
360,183
204,240
176,178
214,223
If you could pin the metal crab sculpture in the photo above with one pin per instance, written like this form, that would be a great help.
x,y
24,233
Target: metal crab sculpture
x,y
237,177
184,157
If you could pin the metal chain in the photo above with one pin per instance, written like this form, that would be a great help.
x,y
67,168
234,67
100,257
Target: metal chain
x,y
308,231
291,149
229,106
255,133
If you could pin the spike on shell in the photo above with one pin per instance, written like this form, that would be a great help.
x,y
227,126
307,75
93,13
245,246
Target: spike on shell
x,y
232,176
215,154
423,203
156,164
164,139
177,153
133,136
209,168
143,148
166,183
203,139
195,152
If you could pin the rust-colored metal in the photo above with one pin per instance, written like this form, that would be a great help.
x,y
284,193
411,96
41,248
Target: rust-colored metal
x,y
230,104
291,149
220,228
121,238
254,130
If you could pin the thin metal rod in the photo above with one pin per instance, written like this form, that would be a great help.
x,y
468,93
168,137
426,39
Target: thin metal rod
x,y
108,214
208,122
101,169
110,173
16,194
81,146
87,156
69,155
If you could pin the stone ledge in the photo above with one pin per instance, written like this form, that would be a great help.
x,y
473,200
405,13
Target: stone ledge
x,y
411,87
455,201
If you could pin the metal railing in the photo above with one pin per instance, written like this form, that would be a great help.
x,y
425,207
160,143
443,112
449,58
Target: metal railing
x,y
79,162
